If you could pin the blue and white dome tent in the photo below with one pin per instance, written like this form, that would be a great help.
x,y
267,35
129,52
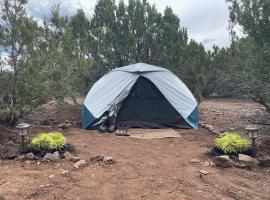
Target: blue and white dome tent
x,y
141,95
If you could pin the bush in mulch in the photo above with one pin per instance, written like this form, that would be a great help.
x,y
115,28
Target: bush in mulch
x,y
49,143
231,144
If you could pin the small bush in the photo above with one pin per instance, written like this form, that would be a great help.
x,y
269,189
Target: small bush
x,y
48,142
232,143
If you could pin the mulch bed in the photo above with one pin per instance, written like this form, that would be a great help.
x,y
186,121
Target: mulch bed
x,y
218,152
68,147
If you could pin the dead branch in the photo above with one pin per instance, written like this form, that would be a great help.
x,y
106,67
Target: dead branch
x,y
145,194
8,130
74,99
177,185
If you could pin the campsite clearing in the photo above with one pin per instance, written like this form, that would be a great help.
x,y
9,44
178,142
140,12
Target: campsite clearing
x,y
144,169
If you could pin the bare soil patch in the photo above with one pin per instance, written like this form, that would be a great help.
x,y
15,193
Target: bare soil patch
x,y
234,114
145,169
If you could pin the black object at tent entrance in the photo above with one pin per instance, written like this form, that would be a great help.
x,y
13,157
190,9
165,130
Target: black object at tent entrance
x,y
146,107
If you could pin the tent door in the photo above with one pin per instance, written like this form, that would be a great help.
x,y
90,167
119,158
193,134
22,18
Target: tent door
x,y
146,107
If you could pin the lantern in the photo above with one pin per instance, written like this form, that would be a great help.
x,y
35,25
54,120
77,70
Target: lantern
x,y
22,131
253,134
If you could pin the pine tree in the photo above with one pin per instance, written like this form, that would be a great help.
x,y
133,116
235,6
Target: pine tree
x,y
20,36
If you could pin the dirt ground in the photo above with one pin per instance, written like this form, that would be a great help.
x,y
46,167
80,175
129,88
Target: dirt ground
x,y
234,114
145,169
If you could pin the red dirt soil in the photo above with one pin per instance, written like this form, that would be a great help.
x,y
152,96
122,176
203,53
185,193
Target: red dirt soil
x,y
157,169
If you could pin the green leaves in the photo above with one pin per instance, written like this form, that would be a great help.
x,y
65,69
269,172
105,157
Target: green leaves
x,y
232,143
23,87
48,142
137,32
253,16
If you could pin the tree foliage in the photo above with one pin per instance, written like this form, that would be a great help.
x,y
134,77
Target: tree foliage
x,y
254,17
63,56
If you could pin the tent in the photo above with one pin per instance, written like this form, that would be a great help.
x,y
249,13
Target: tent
x,y
142,96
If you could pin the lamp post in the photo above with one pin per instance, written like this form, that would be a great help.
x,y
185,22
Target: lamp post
x,y
253,133
22,131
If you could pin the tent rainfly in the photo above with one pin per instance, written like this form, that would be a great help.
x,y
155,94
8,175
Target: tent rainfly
x,y
142,96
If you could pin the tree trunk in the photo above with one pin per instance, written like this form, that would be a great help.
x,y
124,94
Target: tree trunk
x,y
74,99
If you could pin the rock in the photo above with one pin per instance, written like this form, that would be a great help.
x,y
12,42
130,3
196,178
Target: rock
x,y
28,162
74,159
195,160
205,150
30,156
52,157
10,150
209,127
202,124
70,157
64,125
223,134
223,161
216,131
247,160
55,156
207,163
20,157
96,158
64,172
51,176
45,186
239,165
47,157
264,161
80,164
203,172
108,160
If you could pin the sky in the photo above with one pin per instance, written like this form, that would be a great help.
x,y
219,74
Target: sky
x,y
206,20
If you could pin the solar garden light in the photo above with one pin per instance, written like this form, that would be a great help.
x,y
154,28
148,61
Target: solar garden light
x,y
22,131
253,134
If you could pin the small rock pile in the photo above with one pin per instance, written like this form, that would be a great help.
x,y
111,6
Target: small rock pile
x,y
102,159
80,164
68,156
243,161
66,125
49,157
223,161
53,157
204,163
12,150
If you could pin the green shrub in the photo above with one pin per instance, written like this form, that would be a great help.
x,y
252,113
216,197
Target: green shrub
x,y
232,143
48,142
6,115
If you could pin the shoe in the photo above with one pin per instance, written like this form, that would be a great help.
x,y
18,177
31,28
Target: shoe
x,y
111,127
104,125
